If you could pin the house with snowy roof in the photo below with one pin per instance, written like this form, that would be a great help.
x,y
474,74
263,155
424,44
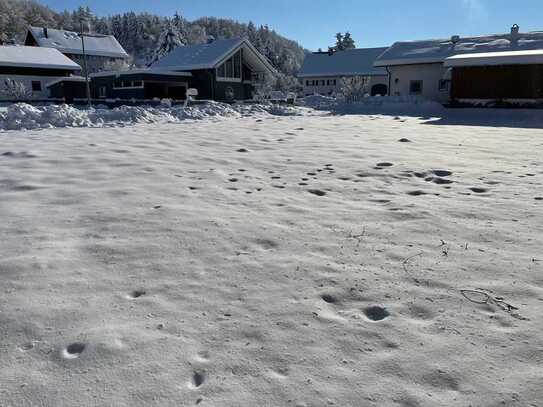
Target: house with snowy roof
x,y
102,51
224,70
483,67
26,71
322,72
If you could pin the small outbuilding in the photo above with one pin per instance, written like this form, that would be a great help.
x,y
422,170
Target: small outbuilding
x,y
140,85
69,89
513,76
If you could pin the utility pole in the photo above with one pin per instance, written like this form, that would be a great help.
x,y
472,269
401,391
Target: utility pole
x,y
85,62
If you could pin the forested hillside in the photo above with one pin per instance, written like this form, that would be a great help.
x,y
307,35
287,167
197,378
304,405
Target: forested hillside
x,y
139,33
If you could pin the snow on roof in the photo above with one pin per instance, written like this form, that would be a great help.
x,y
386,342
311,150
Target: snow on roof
x,y
139,71
69,42
436,51
497,58
35,57
342,63
206,56
66,79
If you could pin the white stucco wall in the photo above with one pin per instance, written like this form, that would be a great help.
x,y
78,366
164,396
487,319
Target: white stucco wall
x,y
27,81
328,88
429,74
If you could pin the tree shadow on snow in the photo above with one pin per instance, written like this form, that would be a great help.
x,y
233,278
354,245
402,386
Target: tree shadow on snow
x,y
512,118
431,113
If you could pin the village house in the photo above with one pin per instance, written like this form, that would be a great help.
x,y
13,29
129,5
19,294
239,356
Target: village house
x,y
223,70
103,52
25,71
427,68
322,72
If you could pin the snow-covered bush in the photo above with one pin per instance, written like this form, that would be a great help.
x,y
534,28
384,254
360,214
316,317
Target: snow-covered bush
x,y
279,82
16,90
354,88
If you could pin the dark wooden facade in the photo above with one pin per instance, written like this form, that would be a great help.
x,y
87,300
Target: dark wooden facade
x,y
209,87
68,90
497,82
139,86
172,87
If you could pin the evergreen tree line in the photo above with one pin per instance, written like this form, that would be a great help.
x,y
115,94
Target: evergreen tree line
x,y
140,34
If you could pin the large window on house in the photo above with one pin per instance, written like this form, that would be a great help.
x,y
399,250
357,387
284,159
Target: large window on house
x,y
36,86
415,87
231,68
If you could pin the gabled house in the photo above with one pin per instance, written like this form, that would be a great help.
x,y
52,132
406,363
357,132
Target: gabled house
x,y
418,68
322,72
31,69
102,51
223,70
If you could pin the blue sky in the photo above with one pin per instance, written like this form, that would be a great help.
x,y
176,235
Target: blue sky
x,y
313,23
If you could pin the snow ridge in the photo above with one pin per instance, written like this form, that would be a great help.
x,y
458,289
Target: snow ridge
x,y
24,116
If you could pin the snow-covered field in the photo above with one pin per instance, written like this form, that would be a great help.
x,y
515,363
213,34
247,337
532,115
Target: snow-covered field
x,y
307,260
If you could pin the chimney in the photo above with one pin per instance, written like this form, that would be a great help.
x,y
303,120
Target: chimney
x,y
45,32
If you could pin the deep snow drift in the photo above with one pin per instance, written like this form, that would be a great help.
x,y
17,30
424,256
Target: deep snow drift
x,y
24,116
272,261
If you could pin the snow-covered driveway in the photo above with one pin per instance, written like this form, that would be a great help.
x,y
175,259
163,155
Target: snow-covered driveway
x,y
279,261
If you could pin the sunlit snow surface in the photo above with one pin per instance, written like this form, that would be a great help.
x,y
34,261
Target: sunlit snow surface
x,y
256,259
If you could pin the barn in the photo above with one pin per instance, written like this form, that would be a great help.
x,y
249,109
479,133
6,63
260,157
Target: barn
x,y
514,77
418,68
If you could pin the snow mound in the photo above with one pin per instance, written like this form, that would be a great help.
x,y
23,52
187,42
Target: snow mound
x,y
24,116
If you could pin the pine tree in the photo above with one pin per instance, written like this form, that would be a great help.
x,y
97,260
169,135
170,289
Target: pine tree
x,y
251,32
169,40
339,42
348,42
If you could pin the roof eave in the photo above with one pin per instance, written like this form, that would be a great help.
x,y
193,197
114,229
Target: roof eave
x,y
42,66
325,74
407,61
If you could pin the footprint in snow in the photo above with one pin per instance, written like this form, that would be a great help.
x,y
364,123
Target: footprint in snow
x,y
136,294
198,379
376,313
317,192
74,350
